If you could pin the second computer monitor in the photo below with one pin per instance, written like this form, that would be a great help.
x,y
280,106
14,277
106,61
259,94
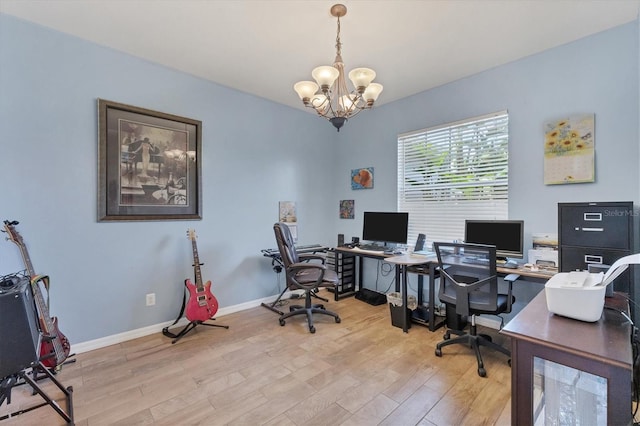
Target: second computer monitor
x,y
506,235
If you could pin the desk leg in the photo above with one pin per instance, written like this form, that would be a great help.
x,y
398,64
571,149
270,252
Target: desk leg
x,y
403,270
360,261
432,297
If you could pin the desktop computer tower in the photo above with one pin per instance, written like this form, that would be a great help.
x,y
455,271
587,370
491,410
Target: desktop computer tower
x,y
19,331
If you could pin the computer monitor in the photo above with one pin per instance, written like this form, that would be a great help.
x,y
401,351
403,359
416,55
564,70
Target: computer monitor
x,y
386,227
506,235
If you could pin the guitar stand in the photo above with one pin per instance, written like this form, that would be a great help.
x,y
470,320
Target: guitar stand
x,y
189,327
10,381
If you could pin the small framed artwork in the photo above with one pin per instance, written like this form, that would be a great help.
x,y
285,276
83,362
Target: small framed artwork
x,y
149,164
347,209
287,212
362,178
569,150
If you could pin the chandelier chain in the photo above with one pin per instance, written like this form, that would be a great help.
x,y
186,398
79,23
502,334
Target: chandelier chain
x,y
338,43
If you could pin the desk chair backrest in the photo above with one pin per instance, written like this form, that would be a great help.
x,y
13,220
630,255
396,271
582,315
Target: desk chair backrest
x,y
468,278
285,243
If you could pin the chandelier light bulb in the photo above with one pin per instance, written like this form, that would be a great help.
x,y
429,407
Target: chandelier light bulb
x,y
372,92
347,103
361,78
305,89
325,76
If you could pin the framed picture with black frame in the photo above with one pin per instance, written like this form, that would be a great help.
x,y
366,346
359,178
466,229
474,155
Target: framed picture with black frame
x,y
148,164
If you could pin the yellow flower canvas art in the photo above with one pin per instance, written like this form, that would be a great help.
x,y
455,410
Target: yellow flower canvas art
x,y
569,150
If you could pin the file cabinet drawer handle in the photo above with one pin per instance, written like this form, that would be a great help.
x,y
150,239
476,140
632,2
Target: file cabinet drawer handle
x,y
593,229
597,217
592,259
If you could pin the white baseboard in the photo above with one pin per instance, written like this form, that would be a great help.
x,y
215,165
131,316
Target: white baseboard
x,y
157,328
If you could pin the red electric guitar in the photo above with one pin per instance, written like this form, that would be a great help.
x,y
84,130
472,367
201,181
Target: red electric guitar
x,y
202,305
55,347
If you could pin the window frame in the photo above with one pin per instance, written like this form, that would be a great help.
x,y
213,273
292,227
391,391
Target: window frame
x,y
452,172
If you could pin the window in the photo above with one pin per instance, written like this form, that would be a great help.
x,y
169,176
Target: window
x,y
453,172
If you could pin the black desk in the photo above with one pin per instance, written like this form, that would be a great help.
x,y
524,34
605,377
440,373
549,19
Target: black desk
x,y
427,266
421,265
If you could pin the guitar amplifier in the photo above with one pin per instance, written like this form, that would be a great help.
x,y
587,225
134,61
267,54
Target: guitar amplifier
x,y
19,332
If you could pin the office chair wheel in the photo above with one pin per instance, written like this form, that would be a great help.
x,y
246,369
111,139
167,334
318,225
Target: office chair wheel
x,y
281,322
447,336
482,372
312,329
438,352
338,320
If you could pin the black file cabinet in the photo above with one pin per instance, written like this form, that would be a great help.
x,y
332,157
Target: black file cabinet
x,y
345,267
593,233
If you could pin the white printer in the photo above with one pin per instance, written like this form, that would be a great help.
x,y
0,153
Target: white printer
x,y
580,294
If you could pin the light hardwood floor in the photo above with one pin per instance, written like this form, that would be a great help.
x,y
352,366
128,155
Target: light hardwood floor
x,y
362,371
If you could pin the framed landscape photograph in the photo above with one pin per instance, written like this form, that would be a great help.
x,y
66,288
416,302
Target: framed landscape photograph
x,y
149,164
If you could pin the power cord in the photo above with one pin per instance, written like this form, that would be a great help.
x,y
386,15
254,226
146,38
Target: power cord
x,y
635,346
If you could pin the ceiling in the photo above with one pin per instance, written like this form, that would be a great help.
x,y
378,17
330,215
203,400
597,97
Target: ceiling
x,y
264,46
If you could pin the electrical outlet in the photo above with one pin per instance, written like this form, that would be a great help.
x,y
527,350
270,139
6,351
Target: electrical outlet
x,y
151,299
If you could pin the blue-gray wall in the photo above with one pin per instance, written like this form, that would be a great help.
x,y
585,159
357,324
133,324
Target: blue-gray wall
x,y
256,153
597,74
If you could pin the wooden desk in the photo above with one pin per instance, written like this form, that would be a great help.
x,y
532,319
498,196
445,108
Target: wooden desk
x,y
536,276
602,348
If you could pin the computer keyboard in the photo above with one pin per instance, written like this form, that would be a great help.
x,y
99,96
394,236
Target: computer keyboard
x,y
371,247
475,260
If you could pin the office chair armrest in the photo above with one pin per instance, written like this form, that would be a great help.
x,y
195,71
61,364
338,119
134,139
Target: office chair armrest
x,y
510,279
305,265
294,268
312,256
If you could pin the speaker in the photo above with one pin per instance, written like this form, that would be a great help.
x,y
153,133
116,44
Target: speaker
x,y
420,242
340,240
19,333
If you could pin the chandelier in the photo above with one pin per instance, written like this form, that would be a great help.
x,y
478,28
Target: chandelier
x,y
334,101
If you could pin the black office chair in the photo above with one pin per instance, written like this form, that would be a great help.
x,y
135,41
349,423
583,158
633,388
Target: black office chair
x,y
305,275
469,285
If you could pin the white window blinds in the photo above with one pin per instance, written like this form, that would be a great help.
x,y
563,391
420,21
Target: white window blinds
x,y
453,172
